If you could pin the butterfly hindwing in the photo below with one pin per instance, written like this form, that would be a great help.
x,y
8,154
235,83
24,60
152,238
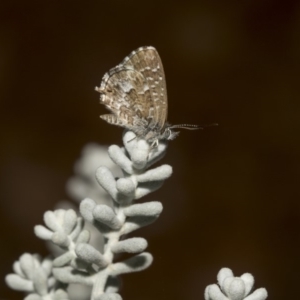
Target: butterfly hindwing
x,y
126,94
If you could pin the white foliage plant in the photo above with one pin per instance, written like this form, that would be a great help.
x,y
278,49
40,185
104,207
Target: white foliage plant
x,y
79,261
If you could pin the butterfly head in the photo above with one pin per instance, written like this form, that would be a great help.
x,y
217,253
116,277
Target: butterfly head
x,y
154,135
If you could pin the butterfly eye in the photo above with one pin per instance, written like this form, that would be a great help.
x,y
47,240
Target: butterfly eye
x,y
109,91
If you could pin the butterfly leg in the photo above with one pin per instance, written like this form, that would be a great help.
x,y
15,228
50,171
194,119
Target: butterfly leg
x,y
154,144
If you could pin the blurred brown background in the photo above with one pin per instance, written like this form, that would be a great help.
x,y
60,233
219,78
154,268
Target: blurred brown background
x,y
233,200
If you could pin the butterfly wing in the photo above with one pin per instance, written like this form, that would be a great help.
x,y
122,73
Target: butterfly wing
x,y
146,61
135,93
125,93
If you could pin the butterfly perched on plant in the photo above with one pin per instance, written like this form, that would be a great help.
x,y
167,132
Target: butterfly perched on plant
x,y
136,94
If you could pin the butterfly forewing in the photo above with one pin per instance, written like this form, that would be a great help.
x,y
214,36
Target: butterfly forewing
x,y
146,61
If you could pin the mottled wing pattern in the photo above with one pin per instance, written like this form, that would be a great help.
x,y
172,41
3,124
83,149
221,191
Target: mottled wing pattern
x,y
135,92
146,61
122,92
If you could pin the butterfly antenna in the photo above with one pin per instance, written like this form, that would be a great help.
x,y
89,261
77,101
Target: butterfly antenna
x,y
192,126
187,126
210,125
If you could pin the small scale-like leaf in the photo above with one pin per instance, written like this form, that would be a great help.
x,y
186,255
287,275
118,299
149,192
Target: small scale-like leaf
x,y
33,297
42,232
47,265
105,214
17,268
78,228
63,259
120,159
40,282
126,186
213,292
153,208
83,237
27,262
107,180
60,294
139,154
160,173
17,283
61,239
134,264
109,296
68,275
70,219
90,255
132,245
147,188
86,209
134,223
51,221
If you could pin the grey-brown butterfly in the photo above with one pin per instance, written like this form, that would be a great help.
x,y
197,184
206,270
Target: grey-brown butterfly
x,y
136,94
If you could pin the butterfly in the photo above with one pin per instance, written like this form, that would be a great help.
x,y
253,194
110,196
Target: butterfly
x,y
136,94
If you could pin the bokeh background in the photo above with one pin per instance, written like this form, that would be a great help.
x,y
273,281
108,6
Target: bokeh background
x,y
234,198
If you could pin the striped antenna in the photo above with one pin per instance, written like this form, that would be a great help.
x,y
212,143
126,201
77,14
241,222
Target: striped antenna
x,y
192,127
